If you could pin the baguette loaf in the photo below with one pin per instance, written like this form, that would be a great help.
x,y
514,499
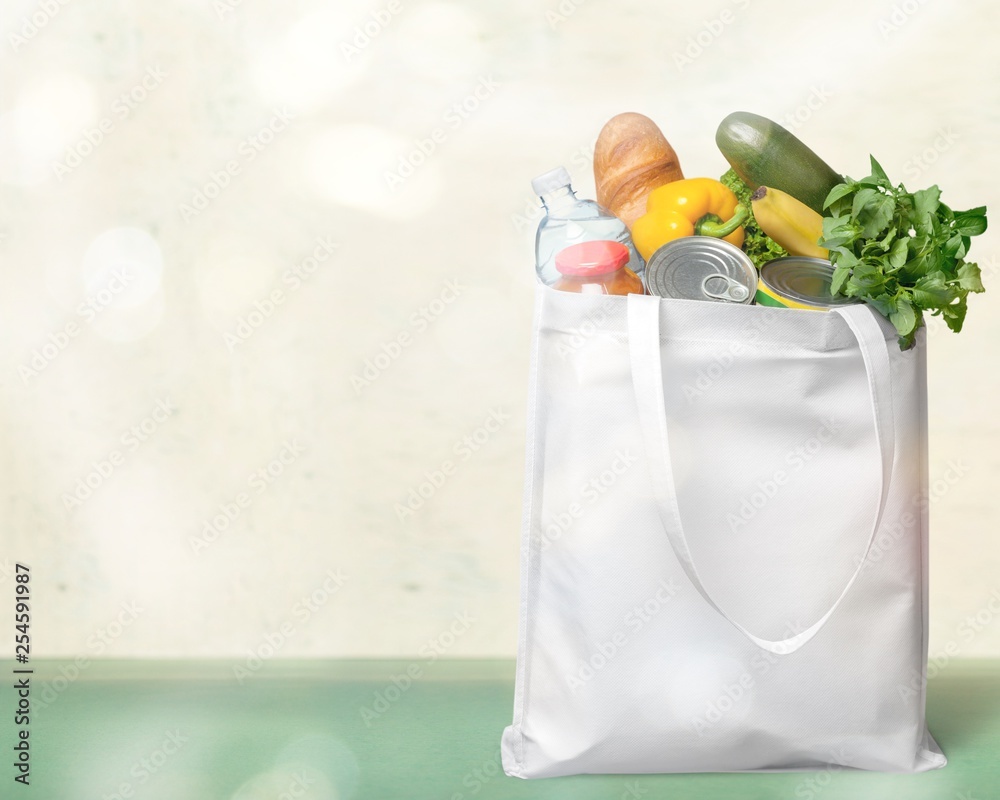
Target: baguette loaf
x,y
632,157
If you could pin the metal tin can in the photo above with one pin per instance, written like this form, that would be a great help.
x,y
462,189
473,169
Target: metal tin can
x,y
799,282
702,268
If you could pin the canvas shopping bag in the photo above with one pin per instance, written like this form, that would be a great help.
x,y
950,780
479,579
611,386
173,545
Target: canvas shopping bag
x,y
724,545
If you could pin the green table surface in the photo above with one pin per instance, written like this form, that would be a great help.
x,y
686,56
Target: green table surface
x,y
301,730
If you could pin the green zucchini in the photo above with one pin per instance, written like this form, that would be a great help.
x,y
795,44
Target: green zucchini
x,y
763,153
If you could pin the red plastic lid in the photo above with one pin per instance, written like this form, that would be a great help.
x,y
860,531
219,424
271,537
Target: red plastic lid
x,y
592,258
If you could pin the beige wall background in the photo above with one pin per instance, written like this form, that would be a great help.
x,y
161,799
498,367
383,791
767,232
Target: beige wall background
x,y
266,268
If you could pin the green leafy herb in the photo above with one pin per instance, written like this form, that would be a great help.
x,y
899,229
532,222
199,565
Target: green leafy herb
x,y
901,253
760,247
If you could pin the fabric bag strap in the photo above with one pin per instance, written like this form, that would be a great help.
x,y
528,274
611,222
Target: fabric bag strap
x,y
647,378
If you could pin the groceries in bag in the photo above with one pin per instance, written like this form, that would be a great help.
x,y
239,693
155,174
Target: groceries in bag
x,y
598,267
702,268
799,282
902,253
569,220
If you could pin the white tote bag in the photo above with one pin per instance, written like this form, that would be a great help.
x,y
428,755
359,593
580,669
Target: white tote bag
x,y
724,541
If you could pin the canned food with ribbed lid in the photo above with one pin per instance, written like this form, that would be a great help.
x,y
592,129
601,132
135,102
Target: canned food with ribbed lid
x,y
702,268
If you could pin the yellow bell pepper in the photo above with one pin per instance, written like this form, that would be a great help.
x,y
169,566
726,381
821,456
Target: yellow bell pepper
x,y
689,207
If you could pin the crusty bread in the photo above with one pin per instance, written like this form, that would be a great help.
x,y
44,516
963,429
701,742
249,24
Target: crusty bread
x,y
632,157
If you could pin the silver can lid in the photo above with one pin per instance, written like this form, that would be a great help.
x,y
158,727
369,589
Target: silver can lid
x,y
803,279
702,268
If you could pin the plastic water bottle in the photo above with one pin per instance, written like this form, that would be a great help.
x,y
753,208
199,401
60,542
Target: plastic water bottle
x,y
569,220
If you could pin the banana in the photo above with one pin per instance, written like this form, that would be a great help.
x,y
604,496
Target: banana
x,y
792,224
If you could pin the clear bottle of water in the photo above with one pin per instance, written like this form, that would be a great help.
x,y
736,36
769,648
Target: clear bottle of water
x,y
569,220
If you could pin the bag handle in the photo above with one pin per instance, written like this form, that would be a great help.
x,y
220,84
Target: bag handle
x,y
647,379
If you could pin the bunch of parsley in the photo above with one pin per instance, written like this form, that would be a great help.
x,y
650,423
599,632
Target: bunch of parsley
x,y
760,247
902,253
